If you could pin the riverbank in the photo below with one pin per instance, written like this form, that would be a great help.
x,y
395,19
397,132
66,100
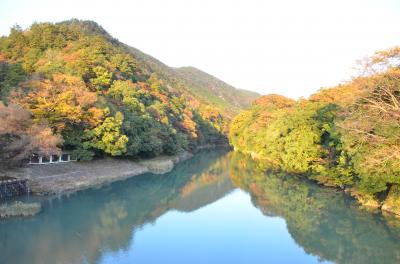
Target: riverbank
x,y
69,177
388,204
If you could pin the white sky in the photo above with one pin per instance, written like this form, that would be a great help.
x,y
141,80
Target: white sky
x,y
287,47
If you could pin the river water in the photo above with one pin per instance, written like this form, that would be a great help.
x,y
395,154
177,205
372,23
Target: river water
x,y
214,208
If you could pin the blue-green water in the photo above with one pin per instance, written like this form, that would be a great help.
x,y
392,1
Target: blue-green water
x,y
213,208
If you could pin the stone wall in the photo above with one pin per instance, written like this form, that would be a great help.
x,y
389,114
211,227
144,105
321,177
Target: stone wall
x,y
13,187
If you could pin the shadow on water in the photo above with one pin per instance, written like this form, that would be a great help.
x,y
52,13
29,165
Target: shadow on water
x,y
324,222
78,228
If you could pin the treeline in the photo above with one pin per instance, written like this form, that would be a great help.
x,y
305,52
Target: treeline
x,y
346,136
72,86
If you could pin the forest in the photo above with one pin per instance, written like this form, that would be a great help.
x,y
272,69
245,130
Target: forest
x,y
72,86
346,136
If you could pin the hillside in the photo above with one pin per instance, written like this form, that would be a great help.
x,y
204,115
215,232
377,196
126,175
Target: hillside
x,y
207,87
200,86
346,136
72,86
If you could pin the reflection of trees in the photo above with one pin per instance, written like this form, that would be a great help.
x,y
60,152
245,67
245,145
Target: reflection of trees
x,y
205,188
324,222
82,226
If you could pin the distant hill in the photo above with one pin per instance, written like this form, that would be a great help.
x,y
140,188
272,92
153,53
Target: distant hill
x,y
208,87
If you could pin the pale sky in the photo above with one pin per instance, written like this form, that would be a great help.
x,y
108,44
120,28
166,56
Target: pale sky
x,y
287,47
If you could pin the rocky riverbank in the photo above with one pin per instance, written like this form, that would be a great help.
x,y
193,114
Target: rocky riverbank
x,y
73,176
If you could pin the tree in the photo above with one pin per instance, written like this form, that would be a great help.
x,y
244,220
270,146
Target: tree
x,y
128,93
102,78
346,136
67,74
108,136
20,136
10,76
371,132
60,100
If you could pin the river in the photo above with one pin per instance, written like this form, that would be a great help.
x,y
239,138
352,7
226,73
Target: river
x,y
214,208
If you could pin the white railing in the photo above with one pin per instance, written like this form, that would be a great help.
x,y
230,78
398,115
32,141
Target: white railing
x,y
50,159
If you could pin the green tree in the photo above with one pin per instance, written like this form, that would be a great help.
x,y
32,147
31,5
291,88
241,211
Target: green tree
x,y
10,76
102,78
108,136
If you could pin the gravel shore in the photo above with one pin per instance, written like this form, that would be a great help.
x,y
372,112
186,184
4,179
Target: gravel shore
x,y
73,176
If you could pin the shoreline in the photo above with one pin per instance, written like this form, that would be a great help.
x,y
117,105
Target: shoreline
x,y
63,178
388,206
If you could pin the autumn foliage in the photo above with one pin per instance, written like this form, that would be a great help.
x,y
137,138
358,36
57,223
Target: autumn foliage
x,y
346,136
97,96
21,136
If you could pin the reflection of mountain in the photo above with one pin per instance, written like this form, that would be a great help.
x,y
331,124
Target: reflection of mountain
x,y
324,222
79,228
205,188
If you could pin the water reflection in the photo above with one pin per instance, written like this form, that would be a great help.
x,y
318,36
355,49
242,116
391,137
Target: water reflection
x,y
81,227
95,226
324,222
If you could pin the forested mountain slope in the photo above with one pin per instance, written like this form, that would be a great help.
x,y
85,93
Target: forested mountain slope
x,y
346,136
209,88
194,83
71,85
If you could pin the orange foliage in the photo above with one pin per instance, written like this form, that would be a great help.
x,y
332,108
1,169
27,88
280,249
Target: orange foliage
x,y
62,99
20,137
274,100
343,95
144,86
188,124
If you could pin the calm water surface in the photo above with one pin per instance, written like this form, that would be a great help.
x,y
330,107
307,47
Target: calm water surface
x,y
214,208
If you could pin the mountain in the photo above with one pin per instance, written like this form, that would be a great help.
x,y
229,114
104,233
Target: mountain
x,y
194,83
213,90
87,92
199,85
